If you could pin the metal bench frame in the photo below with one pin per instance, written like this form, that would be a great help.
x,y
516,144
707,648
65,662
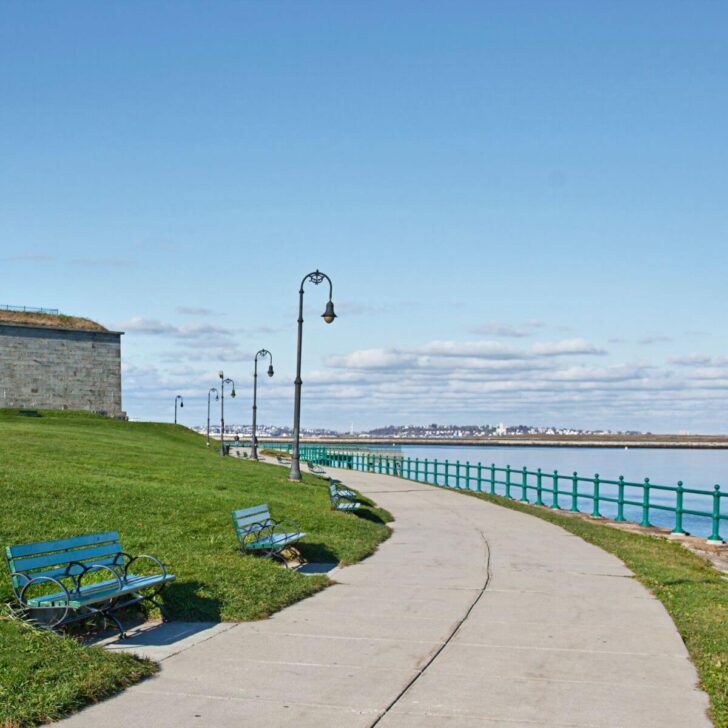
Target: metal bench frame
x,y
65,563
260,534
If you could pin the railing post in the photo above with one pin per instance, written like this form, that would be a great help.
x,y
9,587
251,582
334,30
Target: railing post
x,y
492,478
575,492
539,487
434,473
447,473
620,500
714,537
595,498
480,477
524,485
555,494
425,478
679,510
457,474
467,475
417,468
646,504
508,481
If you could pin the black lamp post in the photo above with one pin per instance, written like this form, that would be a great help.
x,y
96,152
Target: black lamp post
x,y
178,398
223,382
328,316
217,397
262,354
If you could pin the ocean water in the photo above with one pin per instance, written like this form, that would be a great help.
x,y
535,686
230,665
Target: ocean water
x,y
697,469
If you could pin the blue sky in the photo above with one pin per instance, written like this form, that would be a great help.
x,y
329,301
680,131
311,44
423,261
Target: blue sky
x,y
522,205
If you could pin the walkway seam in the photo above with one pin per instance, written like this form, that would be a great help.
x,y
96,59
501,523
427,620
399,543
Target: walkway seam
x,y
450,637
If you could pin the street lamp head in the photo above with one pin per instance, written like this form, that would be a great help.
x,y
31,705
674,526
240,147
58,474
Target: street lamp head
x,y
270,370
232,394
181,404
221,374
328,315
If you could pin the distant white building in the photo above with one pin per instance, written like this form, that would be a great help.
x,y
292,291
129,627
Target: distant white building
x,y
501,429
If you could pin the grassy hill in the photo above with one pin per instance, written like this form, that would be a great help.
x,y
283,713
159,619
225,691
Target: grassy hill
x,y
62,474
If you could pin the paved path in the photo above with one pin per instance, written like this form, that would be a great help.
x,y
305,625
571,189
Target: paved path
x,y
470,615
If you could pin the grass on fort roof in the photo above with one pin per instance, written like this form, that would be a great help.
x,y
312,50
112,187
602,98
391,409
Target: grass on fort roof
x,y
52,320
64,474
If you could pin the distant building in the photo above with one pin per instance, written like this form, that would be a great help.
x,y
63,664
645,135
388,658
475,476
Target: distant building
x,y
51,361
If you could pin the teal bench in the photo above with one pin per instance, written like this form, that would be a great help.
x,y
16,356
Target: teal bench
x,y
343,499
315,469
342,489
74,579
259,533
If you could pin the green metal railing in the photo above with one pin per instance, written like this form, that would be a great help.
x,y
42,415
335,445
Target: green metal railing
x,y
628,501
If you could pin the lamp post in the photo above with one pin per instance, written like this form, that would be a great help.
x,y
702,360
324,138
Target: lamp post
x,y
178,398
217,397
328,316
223,382
262,354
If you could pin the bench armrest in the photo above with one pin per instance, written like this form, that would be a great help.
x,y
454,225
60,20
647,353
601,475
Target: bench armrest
x,y
255,531
285,526
161,566
90,569
45,579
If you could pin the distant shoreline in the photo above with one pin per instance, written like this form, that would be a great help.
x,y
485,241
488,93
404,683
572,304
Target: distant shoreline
x,y
686,442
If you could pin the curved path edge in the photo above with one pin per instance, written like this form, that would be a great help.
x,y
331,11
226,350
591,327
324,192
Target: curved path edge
x,y
469,615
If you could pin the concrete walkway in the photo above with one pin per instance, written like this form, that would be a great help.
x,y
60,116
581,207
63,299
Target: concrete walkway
x,y
470,615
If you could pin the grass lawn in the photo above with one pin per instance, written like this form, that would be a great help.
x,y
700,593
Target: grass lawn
x,y
693,592
64,474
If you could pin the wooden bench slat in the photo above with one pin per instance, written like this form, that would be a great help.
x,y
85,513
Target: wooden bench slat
x,y
100,592
279,539
245,523
61,544
250,511
63,570
64,557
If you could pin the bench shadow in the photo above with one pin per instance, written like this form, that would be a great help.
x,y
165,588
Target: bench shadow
x,y
367,515
154,634
184,601
317,553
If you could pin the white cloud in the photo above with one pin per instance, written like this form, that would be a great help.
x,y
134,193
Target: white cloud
x,y
697,360
494,328
152,327
566,346
193,311
370,359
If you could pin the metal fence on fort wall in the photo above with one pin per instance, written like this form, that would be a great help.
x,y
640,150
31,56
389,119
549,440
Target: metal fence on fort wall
x,y
681,509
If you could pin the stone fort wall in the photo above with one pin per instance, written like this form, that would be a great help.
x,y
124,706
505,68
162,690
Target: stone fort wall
x,y
47,368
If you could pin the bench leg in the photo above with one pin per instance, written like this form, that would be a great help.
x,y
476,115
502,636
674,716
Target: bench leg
x,y
160,607
117,622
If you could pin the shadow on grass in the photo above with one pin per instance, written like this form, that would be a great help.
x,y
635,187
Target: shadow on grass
x,y
184,601
318,552
366,515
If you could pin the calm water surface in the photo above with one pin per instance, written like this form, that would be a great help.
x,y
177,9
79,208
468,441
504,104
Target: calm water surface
x,y
700,469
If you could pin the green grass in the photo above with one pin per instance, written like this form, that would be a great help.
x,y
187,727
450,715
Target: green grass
x,y
43,676
63,474
693,592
